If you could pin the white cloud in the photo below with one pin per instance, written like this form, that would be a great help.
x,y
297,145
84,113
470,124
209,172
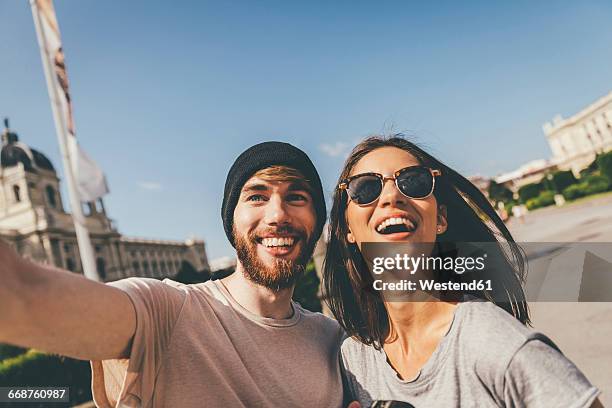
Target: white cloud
x,y
334,150
150,185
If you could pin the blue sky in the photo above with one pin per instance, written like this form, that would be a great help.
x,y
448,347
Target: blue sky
x,y
167,94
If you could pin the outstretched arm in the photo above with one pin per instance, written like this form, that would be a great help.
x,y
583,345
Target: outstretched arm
x,y
61,312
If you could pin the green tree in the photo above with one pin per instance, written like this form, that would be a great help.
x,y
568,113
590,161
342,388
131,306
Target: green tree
x,y
529,191
499,192
604,162
188,274
563,179
306,291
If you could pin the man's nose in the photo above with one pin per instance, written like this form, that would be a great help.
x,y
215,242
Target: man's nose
x,y
391,196
276,211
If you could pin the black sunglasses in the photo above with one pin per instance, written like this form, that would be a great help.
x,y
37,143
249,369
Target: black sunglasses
x,y
415,182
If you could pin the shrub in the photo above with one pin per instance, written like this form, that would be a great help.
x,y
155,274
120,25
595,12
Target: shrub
x,y
509,206
529,191
575,191
532,204
596,184
545,199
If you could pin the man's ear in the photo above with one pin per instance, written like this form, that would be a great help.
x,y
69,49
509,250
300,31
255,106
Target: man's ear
x,y
442,220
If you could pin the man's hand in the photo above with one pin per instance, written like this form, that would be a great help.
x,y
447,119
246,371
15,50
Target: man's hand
x,y
354,404
62,312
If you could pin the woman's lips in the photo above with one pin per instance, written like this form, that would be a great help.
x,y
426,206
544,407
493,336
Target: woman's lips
x,y
396,236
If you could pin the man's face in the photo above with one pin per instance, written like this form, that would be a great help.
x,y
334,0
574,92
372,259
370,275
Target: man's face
x,y
273,226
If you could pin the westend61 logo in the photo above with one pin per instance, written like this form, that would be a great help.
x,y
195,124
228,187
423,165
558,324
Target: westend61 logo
x,y
428,267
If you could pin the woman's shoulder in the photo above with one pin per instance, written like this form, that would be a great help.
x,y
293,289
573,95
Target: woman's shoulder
x,y
490,322
491,336
352,346
357,355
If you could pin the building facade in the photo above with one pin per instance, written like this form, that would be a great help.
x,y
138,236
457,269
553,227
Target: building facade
x,y
576,141
532,172
33,220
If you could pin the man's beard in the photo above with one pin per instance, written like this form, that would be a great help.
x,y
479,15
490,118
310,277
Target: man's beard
x,y
283,273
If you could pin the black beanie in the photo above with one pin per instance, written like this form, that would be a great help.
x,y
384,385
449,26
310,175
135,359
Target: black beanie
x,y
265,155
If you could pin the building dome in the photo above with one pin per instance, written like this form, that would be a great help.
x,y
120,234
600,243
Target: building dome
x,y
14,152
42,161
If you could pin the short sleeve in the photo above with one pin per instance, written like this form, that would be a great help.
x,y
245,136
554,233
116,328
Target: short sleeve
x,y
130,382
348,395
540,376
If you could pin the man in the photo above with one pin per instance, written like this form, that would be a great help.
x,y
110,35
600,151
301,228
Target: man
x,y
238,341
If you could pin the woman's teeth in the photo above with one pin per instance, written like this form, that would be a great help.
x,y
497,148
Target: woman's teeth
x,y
277,242
395,221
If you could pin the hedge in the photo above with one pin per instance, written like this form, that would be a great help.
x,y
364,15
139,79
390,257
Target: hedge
x,y
590,185
597,184
575,191
544,199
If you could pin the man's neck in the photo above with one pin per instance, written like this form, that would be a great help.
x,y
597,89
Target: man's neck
x,y
258,299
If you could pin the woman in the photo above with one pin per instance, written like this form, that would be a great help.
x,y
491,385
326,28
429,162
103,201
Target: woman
x,y
435,349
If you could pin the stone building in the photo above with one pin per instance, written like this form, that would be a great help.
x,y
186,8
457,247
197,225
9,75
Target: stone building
x,y
531,172
33,220
576,141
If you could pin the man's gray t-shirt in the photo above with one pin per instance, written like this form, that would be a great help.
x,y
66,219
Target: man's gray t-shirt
x,y
487,359
196,346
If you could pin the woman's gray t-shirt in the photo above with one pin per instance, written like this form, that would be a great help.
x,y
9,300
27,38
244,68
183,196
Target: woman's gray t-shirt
x,y
487,359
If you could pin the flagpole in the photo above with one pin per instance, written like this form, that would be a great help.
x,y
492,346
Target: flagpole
x,y
83,239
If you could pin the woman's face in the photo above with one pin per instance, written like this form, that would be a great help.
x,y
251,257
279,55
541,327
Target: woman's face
x,y
423,218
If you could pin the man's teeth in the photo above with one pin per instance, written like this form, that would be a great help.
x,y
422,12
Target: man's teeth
x,y
277,242
394,221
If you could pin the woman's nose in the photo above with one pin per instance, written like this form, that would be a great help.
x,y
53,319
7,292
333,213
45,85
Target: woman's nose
x,y
390,195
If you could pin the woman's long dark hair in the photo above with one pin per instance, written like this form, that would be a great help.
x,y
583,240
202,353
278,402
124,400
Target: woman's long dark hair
x,y
471,218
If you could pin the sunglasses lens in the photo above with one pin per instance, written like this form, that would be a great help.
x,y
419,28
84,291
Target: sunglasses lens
x,y
416,182
364,189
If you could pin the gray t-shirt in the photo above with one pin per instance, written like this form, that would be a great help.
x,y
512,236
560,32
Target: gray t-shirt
x,y
487,359
195,346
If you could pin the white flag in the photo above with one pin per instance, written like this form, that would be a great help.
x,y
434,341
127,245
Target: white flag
x,y
90,180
